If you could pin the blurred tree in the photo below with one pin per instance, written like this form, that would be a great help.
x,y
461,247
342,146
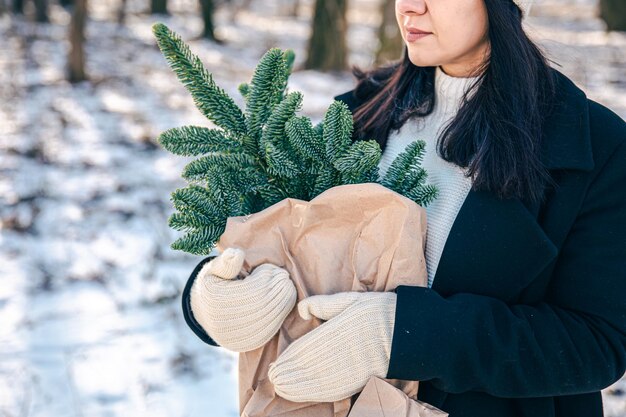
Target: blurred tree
x,y
158,6
66,3
41,11
121,12
327,49
18,6
390,40
294,7
613,12
208,8
76,57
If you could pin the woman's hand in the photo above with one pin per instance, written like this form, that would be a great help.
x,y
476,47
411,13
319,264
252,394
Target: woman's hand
x,y
241,314
335,360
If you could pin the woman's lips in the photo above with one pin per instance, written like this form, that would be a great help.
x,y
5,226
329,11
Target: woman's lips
x,y
413,33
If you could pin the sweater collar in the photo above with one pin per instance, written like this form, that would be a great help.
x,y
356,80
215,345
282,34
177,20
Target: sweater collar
x,y
449,91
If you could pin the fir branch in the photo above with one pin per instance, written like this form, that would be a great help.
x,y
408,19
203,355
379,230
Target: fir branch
x,y
290,57
424,195
299,187
197,199
200,169
327,178
242,180
226,195
281,160
265,91
189,221
304,139
413,178
210,99
196,140
200,241
272,194
360,157
244,89
338,127
407,161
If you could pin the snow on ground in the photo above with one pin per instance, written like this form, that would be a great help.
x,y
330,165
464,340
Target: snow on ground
x,y
90,323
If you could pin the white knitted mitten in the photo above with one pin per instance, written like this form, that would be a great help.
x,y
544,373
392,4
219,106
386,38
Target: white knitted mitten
x,y
241,314
335,360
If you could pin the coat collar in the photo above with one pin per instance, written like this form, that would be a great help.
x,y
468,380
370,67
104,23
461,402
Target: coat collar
x,y
566,141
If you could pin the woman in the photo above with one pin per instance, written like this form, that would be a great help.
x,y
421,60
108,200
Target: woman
x,y
525,313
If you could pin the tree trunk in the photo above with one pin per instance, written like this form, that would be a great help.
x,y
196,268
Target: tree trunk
x,y
391,44
76,58
121,13
41,11
18,6
159,6
294,7
327,49
208,7
613,12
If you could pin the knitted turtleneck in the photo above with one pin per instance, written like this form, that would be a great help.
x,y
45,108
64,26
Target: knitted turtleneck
x,y
449,178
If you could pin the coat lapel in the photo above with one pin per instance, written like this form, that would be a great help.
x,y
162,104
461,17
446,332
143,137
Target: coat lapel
x,y
497,247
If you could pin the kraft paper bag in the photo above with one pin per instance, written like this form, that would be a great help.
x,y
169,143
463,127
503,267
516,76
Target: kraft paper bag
x,y
358,237
381,399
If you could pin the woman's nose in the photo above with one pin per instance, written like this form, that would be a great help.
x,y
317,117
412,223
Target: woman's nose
x,y
411,7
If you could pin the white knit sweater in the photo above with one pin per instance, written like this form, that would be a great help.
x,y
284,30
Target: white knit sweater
x,y
449,178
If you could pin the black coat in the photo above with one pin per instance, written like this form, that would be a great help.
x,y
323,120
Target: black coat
x,y
527,313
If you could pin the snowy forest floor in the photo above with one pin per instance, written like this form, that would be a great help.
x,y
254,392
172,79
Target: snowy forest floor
x,y
90,318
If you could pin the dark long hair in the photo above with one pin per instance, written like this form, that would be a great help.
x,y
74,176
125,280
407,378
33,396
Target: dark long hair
x,y
497,130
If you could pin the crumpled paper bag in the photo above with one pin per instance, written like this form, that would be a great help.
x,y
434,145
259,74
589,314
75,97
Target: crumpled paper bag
x,y
357,237
381,399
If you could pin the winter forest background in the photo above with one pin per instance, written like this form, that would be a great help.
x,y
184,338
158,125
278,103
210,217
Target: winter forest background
x,y
90,318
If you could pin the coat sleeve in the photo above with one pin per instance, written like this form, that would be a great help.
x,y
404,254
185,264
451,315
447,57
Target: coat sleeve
x,y
572,342
186,304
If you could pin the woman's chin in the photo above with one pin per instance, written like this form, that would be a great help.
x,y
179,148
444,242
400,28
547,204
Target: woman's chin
x,y
423,61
